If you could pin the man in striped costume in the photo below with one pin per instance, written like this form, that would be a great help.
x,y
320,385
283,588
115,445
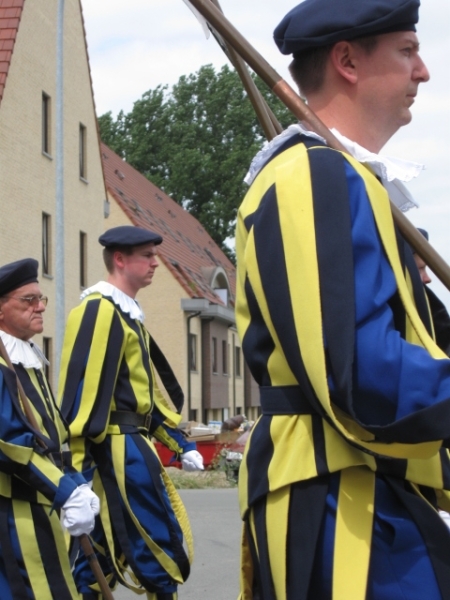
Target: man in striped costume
x,y
346,470
34,562
110,396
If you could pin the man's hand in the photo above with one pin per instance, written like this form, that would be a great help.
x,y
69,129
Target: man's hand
x,y
192,461
79,511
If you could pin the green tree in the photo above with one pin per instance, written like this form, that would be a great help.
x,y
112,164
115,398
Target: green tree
x,y
195,142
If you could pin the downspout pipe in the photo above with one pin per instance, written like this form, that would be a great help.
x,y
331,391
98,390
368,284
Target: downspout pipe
x,y
59,208
190,316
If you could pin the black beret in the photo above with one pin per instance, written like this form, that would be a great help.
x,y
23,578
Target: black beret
x,y
16,274
316,23
128,235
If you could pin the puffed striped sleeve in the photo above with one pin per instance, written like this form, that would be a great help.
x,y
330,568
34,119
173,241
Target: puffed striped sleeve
x,y
20,454
92,352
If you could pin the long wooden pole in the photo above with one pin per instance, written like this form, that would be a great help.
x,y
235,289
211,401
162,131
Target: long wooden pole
x,y
266,118
298,107
84,540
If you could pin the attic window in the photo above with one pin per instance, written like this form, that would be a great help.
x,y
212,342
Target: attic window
x,y
158,197
119,174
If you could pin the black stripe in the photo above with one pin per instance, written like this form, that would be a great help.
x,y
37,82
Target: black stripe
x,y
270,257
49,554
445,465
16,583
80,351
395,467
51,438
100,410
306,509
257,344
167,375
332,222
320,451
267,591
259,455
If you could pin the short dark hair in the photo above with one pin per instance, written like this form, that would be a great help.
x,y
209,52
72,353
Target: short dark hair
x,y
108,255
308,67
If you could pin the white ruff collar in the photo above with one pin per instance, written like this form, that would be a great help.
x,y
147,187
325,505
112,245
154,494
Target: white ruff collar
x,y
126,303
24,353
392,171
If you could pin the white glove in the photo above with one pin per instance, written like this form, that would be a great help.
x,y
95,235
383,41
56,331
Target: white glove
x,y
192,461
80,510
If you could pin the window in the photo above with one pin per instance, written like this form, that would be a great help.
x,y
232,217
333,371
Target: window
x,y
238,361
46,120
192,352
83,259
224,357
47,349
214,355
83,165
46,248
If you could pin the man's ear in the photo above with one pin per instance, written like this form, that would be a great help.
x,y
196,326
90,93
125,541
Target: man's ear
x,y
344,59
118,259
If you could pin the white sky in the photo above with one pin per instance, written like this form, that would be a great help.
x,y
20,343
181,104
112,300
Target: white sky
x,y
135,45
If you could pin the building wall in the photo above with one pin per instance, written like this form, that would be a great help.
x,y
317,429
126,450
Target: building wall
x,y
27,175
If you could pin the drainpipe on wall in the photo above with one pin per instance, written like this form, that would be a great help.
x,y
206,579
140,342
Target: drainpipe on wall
x,y
191,316
59,209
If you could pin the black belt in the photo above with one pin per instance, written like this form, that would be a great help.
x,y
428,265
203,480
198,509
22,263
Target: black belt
x,y
284,400
125,417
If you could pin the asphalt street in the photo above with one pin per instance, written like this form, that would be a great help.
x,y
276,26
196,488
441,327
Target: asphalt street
x,y
216,527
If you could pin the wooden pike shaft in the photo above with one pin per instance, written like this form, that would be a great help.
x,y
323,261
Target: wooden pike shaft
x,y
296,105
84,540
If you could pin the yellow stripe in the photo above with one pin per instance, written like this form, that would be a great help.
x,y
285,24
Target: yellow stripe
x,y
277,515
283,375
30,549
353,536
246,568
294,432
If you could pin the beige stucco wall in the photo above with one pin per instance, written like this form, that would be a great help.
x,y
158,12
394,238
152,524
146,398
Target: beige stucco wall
x,y
27,176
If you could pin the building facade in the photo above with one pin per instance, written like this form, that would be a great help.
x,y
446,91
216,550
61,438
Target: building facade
x,y
52,190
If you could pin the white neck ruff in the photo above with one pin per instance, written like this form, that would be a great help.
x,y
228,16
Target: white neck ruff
x,y
24,353
392,171
127,304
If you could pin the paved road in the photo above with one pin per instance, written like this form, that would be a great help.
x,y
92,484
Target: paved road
x,y
216,526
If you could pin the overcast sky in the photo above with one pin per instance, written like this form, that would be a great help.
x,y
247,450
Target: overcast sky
x,y
138,44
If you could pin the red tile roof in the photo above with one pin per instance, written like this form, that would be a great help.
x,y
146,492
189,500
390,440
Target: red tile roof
x,y
188,250
10,13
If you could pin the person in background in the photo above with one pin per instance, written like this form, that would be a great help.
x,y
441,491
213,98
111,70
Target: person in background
x,y
110,396
439,313
34,484
345,470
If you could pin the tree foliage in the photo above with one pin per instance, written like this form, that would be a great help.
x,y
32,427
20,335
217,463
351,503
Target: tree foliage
x,y
195,142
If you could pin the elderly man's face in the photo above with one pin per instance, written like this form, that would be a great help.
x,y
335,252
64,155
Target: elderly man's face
x,y
21,312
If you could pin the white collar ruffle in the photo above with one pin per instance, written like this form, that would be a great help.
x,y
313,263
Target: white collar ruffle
x,y
27,354
127,304
392,171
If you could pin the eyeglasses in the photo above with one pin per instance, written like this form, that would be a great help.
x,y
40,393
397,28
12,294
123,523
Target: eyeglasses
x,y
33,301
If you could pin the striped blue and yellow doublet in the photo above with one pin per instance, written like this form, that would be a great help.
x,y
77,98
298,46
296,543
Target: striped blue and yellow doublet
x,y
34,561
106,369
355,394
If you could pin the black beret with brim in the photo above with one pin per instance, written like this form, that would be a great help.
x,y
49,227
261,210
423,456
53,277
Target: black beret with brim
x,y
16,274
317,23
127,235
